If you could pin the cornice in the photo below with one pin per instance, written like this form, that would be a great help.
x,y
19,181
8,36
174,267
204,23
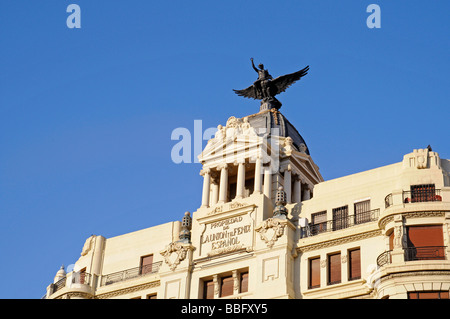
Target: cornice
x,y
409,215
127,290
339,241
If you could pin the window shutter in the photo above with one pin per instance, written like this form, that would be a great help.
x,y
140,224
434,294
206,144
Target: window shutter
x,y
82,275
244,282
391,240
428,295
319,222
208,289
355,264
334,269
146,264
314,273
226,287
425,242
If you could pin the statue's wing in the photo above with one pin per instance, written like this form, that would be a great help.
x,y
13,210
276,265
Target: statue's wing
x,y
249,92
281,83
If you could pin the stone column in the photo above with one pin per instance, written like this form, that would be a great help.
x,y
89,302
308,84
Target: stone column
x,y
257,187
236,282
288,184
240,184
223,183
297,196
206,186
216,286
268,182
306,193
215,193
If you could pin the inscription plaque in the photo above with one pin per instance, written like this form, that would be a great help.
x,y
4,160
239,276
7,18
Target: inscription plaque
x,y
227,235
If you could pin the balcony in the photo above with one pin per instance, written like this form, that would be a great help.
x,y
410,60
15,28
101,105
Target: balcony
x,y
71,281
414,253
130,274
60,284
425,253
384,258
340,223
423,195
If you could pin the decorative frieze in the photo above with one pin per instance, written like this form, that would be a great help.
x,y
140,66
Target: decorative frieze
x,y
339,241
128,290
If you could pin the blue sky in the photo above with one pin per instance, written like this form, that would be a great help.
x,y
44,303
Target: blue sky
x,y
86,115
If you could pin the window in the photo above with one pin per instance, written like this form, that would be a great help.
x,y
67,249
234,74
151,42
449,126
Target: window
x,y
425,242
319,222
428,295
226,286
146,265
362,212
314,273
208,289
82,275
243,282
340,216
334,268
354,264
423,193
249,186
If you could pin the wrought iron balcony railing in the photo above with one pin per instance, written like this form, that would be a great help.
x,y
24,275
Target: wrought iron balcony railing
x,y
422,195
384,258
77,278
59,285
425,253
130,273
414,253
340,223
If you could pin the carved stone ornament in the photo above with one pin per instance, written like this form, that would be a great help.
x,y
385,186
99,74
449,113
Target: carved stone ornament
x,y
87,245
270,230
234,127
174,254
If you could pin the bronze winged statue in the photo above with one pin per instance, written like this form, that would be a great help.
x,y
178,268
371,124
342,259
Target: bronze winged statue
x,y
265,87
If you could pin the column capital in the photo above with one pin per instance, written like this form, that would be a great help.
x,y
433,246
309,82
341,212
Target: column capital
x,y
221,166
205,171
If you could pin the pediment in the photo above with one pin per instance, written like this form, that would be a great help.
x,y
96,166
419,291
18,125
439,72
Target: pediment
x,y
231,148
306,166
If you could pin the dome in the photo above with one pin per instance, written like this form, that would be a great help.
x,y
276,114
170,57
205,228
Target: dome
x,y
60,274
273,119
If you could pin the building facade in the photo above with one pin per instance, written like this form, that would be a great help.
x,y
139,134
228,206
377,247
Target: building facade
x,y
269,226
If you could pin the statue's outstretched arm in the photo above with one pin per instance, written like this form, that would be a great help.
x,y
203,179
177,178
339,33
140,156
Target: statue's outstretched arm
x,y
253,65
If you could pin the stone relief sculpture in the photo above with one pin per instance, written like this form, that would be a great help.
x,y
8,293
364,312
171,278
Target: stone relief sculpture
x,y
179,252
